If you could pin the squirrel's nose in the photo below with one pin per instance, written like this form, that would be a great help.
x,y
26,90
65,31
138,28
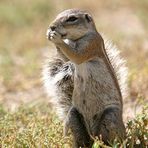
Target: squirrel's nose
x,y
52,28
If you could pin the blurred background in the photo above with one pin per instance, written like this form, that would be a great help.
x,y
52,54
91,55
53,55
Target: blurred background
x,y
24,47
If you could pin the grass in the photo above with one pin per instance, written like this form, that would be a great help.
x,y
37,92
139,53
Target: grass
x,y
36,126
23,44
31,127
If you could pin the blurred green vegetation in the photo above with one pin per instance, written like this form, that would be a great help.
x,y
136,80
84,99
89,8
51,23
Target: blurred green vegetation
x,y
23,25
23,43
21,37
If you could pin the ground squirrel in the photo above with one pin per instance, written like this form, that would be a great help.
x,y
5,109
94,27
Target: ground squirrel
x,y
87,80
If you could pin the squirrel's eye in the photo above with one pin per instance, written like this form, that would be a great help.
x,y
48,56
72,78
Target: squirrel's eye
x,y
71,19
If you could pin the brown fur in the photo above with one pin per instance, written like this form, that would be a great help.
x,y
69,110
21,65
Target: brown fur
x,y
96,96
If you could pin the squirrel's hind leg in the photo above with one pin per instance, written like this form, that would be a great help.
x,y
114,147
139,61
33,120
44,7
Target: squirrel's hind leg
x,y
109,126
75,122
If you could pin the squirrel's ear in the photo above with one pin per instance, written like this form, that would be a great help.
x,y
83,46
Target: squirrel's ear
x,y
88,17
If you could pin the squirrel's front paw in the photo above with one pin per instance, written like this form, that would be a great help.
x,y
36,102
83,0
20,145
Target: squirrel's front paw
x,y
55,37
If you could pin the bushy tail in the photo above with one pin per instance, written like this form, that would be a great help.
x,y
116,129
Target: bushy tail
x,y
119,66
58,82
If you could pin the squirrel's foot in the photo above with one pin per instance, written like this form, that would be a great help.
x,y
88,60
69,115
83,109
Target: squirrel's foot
x,y
55,37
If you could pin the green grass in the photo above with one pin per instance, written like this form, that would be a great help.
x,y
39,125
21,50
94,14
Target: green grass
x,y
36,126
31,127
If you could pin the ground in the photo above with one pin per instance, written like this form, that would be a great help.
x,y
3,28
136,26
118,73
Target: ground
x,y
24,47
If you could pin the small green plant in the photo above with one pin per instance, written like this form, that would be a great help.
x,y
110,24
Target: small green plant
x,y
137,130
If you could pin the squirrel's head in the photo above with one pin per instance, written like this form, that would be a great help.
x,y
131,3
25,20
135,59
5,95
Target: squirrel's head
x,y
73,24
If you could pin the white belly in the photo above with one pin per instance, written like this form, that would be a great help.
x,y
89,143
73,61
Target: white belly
x,y
94,89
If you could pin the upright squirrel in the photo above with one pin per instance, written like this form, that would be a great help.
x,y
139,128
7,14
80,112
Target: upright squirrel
x,y
86,81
